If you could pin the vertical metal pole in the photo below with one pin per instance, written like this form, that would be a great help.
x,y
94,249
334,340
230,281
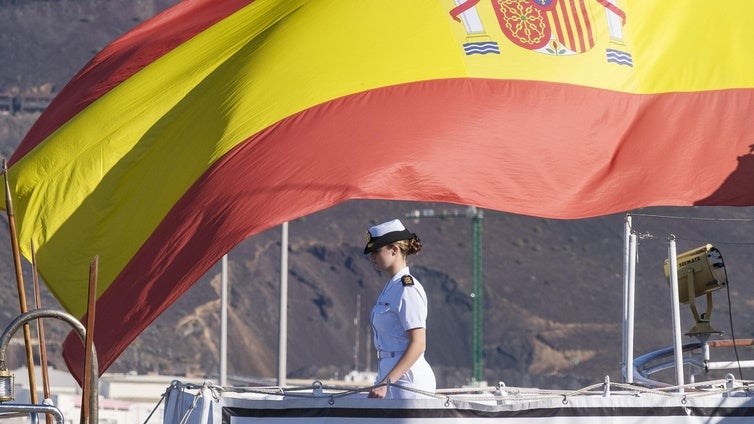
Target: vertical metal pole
x,y
357,324
626,261
206,404
368,348
631,309
477,291
283,330
674,299
224,322
477,301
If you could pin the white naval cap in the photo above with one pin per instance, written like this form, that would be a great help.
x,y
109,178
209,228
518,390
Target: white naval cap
x,y
386,233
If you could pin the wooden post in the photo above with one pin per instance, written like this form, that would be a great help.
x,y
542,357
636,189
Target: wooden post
x,y
90,307
41,333
20,284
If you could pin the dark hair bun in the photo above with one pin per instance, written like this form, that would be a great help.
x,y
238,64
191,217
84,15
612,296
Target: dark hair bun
x,y
414,245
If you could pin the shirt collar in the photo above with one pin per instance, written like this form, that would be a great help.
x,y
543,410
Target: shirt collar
x,y
399,274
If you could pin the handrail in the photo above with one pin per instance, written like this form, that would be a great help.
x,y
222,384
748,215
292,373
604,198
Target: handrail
x,y
34,314
641,368
10,410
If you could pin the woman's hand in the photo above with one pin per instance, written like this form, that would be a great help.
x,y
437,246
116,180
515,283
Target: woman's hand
x,y
378,392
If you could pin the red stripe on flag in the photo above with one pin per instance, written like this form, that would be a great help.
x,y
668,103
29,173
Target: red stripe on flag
x,y
587,28
527,147
558,24
569,40
572,25
123,58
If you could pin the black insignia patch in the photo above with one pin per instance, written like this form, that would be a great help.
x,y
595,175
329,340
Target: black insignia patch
x,y
407,280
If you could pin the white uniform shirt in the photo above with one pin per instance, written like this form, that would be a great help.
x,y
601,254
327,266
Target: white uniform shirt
x,y
398,309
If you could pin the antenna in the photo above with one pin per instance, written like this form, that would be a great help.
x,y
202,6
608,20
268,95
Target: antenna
x,y
356,341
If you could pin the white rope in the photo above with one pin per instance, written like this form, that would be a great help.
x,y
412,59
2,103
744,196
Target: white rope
x,y
193,405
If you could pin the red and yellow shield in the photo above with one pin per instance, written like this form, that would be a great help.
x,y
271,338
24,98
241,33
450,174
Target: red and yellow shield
x,y
532,24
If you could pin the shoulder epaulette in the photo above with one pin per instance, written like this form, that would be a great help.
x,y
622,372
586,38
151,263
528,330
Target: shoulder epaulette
x,y
407,280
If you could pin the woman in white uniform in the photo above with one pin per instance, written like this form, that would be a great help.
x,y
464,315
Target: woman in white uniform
x,y
399,317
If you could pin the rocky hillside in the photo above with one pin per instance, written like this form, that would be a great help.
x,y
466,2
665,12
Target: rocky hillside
x,y
552,289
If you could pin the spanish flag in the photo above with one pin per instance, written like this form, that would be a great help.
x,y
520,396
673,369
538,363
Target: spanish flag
x,y
218,119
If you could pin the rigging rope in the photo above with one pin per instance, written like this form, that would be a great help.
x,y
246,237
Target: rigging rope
x,y
498,393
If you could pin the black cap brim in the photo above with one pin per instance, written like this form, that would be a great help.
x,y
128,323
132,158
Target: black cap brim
x,y
375,243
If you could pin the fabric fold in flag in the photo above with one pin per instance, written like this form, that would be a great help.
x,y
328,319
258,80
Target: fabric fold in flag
x,y
218,119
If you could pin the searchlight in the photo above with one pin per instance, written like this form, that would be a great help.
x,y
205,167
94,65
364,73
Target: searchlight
x,y
701,271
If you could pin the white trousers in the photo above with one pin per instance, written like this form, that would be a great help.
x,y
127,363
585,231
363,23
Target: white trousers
x,y
420,376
